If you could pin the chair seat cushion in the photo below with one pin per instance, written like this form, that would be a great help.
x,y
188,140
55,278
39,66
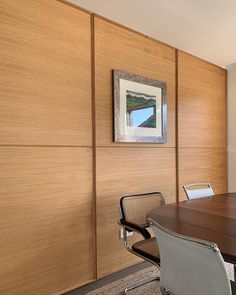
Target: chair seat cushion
x,y
233,287
148,248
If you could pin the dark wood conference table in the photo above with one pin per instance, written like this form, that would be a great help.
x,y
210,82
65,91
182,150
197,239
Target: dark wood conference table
x,y
212,219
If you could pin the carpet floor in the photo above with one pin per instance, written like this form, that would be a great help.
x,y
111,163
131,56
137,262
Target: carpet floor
x,y
117,287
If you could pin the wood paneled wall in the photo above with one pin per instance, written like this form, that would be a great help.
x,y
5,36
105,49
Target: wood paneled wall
x,y
45,148
121,171
57,154
44,81
201,123
128,168
122,49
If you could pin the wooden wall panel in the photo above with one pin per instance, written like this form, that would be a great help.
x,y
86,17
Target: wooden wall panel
x,y
121,49
201,103
122,171
203,165
46,188
202,129
45,85
127,168
46,222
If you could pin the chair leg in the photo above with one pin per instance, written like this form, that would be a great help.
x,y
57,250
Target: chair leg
x,y
165,292
139,285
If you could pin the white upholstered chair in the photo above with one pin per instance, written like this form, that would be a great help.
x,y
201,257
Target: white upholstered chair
x,y
190,266
198,190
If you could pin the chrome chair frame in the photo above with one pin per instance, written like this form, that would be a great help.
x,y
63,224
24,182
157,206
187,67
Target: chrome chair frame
x,y
129,227
185,187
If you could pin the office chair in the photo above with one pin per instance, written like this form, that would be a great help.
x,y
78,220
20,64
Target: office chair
x,y
190,266
133,211
198,190
201,190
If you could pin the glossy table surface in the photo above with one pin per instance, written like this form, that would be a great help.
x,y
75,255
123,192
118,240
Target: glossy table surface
x,y
212,219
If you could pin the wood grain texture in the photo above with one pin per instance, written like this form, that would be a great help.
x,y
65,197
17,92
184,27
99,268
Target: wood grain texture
x,y
121,49
201,103
45,96
46,219
45,85
122,171
211,219
203,165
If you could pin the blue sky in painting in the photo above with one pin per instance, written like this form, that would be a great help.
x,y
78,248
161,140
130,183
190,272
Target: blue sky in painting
x,y
139,116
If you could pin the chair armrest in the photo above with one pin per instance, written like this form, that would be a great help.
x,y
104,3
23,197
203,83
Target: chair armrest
x,y
130,226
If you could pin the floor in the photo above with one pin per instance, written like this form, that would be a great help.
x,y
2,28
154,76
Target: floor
x,y
109,279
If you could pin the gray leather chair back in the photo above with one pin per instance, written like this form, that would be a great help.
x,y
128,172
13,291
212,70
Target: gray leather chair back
x,y
190,266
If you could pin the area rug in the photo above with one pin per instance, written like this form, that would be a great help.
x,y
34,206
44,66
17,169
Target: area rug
x,y
153,288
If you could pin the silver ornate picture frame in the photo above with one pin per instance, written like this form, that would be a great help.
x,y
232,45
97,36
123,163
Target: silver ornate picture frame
x,y
140,109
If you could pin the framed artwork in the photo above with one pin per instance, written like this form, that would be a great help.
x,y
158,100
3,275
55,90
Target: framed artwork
x,y
140,110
